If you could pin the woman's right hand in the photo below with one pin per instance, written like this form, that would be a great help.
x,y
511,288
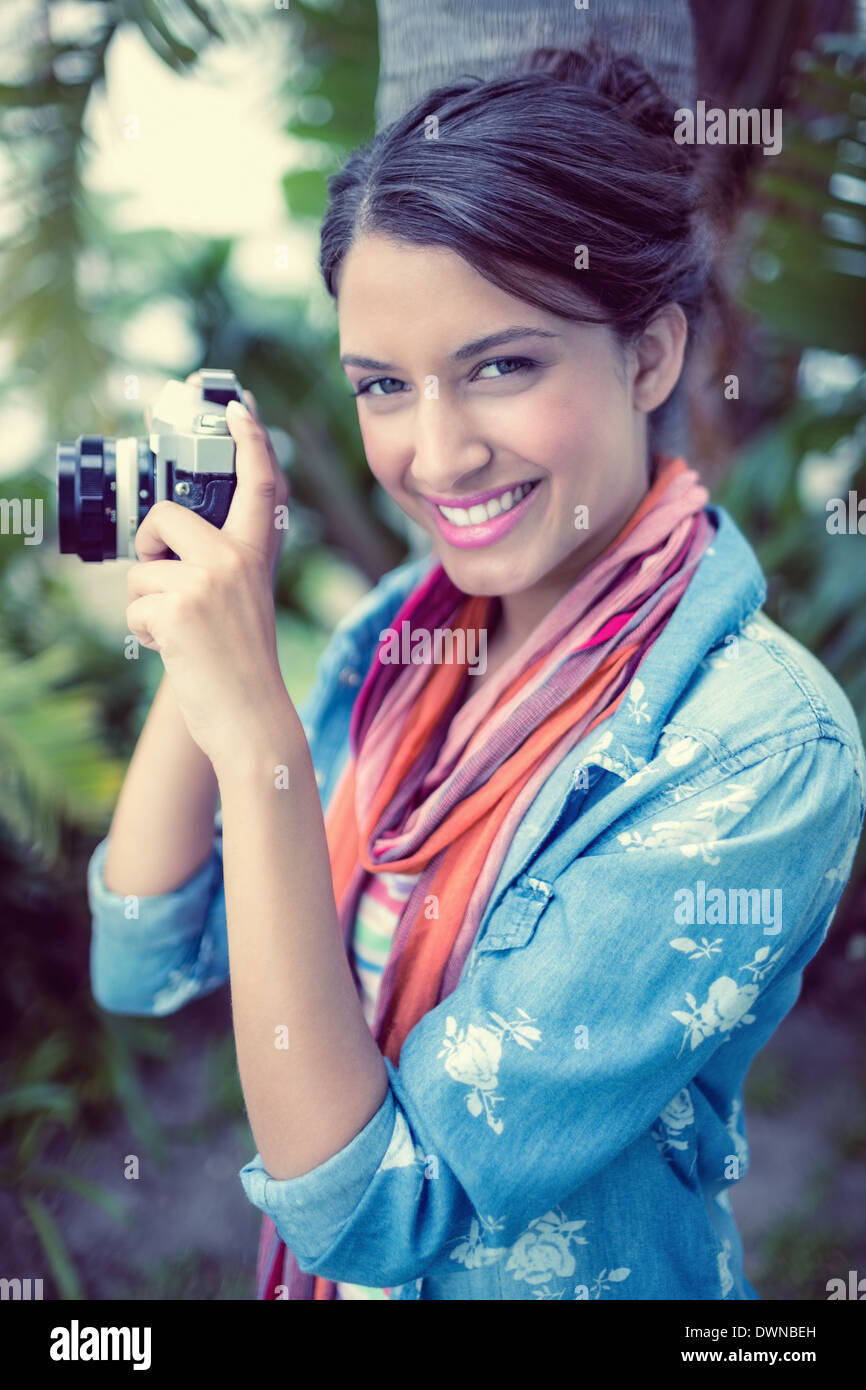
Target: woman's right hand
x,y
282,492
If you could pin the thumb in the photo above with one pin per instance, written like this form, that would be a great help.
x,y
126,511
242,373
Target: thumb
x,y
251,514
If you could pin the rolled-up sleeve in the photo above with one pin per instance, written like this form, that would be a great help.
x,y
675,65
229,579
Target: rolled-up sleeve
x,y
150,955
561,1045
332,1217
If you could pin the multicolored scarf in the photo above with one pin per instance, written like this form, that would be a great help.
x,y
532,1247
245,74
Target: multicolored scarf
x,y
439,776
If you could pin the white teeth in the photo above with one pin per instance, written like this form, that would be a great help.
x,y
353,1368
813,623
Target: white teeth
x,y
485,511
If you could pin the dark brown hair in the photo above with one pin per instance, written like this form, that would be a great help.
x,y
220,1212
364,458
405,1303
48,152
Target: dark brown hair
x,y
570,149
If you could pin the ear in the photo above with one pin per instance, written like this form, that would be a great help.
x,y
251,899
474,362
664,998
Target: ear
x,y
659,357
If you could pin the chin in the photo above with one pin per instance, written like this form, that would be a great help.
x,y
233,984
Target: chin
x,y
473,575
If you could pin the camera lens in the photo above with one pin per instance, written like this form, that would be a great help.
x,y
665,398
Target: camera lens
x,y
86,516
105,488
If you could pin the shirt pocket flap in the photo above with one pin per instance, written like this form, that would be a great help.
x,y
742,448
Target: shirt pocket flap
x,y
513,921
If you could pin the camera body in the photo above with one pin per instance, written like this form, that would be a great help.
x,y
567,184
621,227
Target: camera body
x,y
106,487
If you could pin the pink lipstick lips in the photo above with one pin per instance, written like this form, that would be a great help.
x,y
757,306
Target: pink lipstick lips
x,y
485,529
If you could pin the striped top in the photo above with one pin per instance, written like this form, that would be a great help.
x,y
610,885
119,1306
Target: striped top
x,y
379,909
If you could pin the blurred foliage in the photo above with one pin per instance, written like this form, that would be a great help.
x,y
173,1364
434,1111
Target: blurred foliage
x,y
71,708
807,289
67,1065
770,1085
190,1276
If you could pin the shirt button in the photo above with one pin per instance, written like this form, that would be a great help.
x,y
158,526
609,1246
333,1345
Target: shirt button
x,y
349,676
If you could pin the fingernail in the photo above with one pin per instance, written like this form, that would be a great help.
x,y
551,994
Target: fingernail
x,y
238,408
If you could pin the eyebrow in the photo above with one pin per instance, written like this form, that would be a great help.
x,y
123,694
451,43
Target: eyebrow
x,y
492,340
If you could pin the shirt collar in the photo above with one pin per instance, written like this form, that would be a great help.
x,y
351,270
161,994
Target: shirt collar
x,y
726,589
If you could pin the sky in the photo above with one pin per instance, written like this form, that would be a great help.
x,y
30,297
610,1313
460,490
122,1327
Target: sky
x,y
201,152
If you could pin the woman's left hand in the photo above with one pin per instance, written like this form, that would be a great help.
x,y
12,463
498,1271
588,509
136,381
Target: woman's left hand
x,y
210,614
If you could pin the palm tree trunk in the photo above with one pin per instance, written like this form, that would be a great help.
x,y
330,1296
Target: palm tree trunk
x,y
424,43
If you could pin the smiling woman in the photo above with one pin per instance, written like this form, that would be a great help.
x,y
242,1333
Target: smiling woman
x,y
589,283
480,1058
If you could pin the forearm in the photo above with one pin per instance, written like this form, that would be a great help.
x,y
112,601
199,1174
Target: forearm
x,y
163,824
290,978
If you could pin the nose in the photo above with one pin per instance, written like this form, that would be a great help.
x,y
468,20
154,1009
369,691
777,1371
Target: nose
x,y
448,450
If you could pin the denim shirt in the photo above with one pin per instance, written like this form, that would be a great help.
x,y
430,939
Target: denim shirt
x,y
568,1122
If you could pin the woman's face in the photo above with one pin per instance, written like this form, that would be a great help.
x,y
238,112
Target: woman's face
x,y
466,393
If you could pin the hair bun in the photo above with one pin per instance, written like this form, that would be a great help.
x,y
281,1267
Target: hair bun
x,y
620,77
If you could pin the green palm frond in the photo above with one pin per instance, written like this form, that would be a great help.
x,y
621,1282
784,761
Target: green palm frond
x,y
811,253
53,768
60,1261
808,287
